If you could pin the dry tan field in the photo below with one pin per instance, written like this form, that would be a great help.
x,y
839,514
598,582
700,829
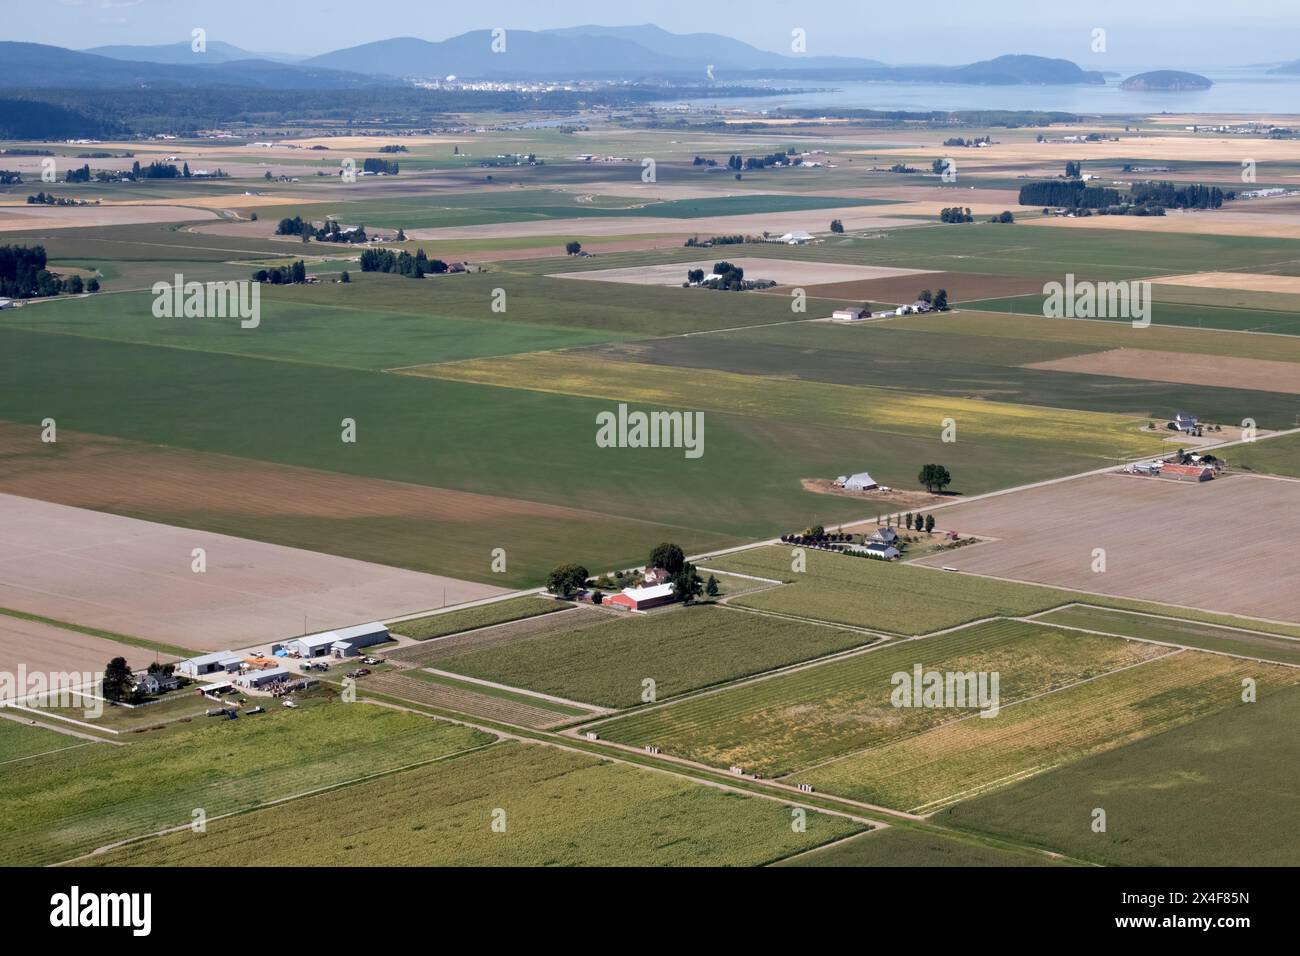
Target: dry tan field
x,y
1218,370
783,271
15,218
1247,281
47,649
1215,222
136,577
1223,545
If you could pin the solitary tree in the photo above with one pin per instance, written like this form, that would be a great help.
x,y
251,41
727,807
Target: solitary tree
x,y
934,477
940,302
909,521
667,556
567,579
117,679
711,587
837,226
573,247
345,277
929,523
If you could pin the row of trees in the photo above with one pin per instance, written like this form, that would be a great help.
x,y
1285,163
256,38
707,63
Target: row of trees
x,y
919,522
402,263
955,214
736,240
1075,194
1172,196
292,274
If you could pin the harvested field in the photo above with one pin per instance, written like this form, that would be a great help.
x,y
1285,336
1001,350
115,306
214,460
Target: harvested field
x,y
431,652
1213,370
135,577
1248,281
783,271
961,286
21,218
1047,535
447,696
48,649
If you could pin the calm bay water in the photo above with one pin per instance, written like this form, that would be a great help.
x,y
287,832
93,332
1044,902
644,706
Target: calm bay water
x,y
1234,91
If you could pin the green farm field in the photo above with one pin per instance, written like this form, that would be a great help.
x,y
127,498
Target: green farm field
x,y
1177,313
561,809
900,847
498,612
953,359
962,758
24,742
1193,796
1277,456
92,796
486,439
500,206
680,650
1188,633
889,597
996,250
352,331
790,722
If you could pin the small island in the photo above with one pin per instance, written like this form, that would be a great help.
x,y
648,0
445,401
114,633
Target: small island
x,y
1166,81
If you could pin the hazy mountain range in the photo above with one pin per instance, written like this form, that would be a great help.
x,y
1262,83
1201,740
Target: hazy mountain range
x,y
643,53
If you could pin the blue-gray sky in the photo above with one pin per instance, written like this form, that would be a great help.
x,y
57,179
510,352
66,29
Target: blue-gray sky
x,y
1148,33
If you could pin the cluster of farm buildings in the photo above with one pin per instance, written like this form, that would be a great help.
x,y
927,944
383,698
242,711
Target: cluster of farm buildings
x,y
262,672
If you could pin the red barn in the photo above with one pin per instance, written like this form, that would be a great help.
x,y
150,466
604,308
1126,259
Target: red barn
x,y
640,599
